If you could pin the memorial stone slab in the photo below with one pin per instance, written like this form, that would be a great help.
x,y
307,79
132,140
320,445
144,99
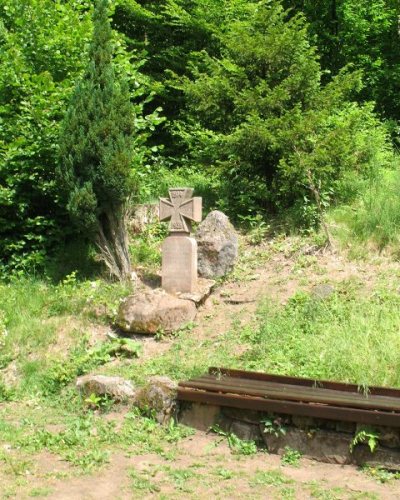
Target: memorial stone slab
x,y
179,250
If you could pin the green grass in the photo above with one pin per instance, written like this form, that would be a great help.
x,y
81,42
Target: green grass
x,y
348,337
40,322
374,217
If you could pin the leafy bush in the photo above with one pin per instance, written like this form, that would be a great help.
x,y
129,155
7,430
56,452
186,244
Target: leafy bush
x,y
41,56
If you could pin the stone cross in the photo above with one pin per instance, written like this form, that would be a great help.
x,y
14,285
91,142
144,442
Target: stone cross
x,y
179,250
181,209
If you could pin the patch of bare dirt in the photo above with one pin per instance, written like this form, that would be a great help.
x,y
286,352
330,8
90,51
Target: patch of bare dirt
x,y
204,467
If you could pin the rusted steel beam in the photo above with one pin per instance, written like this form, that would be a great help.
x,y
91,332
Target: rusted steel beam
x,y
370,417
306,382
293,393
296,396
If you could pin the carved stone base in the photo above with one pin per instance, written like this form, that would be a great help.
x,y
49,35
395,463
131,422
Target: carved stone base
x,y
179,264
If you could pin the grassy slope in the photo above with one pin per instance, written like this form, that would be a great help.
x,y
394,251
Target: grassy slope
x,y
45,343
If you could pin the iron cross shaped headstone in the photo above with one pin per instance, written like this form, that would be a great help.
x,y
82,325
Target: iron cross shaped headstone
x,y
179,250
181,209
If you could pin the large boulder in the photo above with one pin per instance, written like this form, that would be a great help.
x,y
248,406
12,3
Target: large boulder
x,y
117,388
158,397
217,245
153,311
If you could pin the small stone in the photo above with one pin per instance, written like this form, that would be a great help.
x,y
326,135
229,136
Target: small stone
x,y
248,416
349,427
302,422
246,431
324,446
217,245
200,416
152,311
158,395
389,437
201,292
117,388
321,292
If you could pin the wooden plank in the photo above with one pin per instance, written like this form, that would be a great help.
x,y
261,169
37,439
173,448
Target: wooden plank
x,y
291,408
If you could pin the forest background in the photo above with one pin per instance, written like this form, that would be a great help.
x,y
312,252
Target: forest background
x,y
267,108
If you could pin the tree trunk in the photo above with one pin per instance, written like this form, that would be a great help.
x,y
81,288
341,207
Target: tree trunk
x,y
112,240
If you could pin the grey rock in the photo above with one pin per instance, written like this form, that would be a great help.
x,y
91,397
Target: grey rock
x,y
116,388
382,457
151,311
303,422
246,431
158,396
389,437
199,416
217,245
248,416
324,446
203,290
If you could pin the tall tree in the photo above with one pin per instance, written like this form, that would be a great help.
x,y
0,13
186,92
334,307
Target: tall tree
x,y
364,33
260,115
97,151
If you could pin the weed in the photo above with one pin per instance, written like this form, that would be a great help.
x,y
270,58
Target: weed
x,y
380,474
374,216
41,491
82,361
103,403
88,460
175,432
269,478
237,445
273,425
329,339
366,435
287,493
224,473
291,457
317,491
181,477
141,482
257,228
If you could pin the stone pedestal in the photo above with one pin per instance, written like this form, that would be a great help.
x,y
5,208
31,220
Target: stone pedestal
x,y
179,264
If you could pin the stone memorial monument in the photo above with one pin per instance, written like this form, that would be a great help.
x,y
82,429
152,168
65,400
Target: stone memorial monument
x,y
179,250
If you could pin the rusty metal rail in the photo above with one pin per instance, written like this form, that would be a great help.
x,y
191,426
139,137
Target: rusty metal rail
x,y
294,396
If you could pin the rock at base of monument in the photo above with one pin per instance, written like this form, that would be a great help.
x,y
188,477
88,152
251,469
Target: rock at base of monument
x,y
179,264
117,388
217,245
153,311
201,292
158,397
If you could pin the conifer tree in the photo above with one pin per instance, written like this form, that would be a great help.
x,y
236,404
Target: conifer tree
x,y
96,151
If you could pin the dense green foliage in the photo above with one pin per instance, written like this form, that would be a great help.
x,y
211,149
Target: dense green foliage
x,y
363,33
41,49
261,112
